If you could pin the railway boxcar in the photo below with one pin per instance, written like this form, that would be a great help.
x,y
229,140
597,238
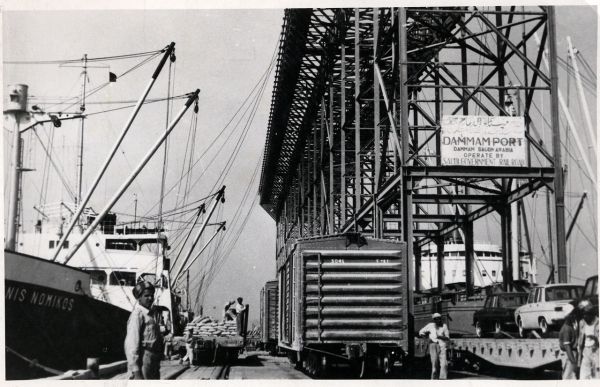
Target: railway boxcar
x,y
269,299
344,298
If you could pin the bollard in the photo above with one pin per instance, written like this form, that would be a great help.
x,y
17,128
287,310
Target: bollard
x,y
93,365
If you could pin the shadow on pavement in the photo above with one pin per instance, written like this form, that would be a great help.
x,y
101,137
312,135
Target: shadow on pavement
x,y
252,360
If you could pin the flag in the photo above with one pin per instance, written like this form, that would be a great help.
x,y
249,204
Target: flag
x,y
112,77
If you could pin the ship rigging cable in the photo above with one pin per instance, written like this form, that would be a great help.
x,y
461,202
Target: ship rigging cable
x,y
213,251
147,102
58,171
46,170
102,86
166,145
260,85
223,175
231,238
99,59
79,98
34,363
588,85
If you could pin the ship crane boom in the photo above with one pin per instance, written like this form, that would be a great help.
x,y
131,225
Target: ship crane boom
x,y
132,177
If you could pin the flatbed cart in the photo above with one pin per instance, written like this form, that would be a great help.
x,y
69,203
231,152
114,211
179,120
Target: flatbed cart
x,y
217,349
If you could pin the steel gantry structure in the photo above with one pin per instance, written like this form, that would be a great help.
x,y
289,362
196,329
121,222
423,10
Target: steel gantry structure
x,y
355,131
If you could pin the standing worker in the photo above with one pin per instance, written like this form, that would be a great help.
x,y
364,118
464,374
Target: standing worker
x,y
168,339
567,340
588,343
226,316
168,346
233,308
144,343
438,338
188,335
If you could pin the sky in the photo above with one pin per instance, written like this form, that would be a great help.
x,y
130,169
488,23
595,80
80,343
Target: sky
x,y
223,52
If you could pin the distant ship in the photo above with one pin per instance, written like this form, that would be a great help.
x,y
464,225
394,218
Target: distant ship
x,y
487,268
452,300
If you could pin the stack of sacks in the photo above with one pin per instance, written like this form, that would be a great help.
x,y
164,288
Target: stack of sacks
x,y
204,326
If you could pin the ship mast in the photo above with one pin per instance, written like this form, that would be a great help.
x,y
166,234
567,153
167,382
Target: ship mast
x,y
79,180
81,203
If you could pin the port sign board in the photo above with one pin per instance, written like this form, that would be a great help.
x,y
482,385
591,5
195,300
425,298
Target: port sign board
x,y
483,141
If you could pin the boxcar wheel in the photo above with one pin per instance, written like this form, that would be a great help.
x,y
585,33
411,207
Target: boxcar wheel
x,y
386,365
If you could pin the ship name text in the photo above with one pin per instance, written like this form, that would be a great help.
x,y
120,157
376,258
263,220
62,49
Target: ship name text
x,y
40,298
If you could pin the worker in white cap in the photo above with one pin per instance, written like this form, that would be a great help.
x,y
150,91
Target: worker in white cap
x,y
438,335
144,342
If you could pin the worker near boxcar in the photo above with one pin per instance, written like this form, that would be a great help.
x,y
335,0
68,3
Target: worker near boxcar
x,y
144,342
588,343
438,335
567,340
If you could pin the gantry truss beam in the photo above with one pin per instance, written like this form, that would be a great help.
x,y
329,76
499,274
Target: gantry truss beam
x,y
355,133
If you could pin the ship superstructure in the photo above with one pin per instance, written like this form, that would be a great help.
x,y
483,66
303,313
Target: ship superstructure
x,y
488,264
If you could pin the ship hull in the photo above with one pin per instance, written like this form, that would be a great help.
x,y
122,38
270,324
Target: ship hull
x,y
50,318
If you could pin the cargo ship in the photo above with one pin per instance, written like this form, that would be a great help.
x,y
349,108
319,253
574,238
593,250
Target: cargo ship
x,y
52,321
68,296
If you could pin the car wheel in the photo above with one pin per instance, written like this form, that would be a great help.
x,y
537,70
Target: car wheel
x,y
544,325
522,331
498,326
478,330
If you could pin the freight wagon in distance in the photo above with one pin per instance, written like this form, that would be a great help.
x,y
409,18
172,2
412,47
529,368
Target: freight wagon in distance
x,y
344,298
269,310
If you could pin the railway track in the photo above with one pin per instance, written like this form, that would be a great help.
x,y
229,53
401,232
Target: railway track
x,y
261,366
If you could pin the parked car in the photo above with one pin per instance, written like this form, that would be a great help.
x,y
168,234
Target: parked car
x,y
498,313
544,307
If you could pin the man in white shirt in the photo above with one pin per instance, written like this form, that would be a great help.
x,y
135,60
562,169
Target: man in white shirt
x,y
144,342
234,308
439,337
588,343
